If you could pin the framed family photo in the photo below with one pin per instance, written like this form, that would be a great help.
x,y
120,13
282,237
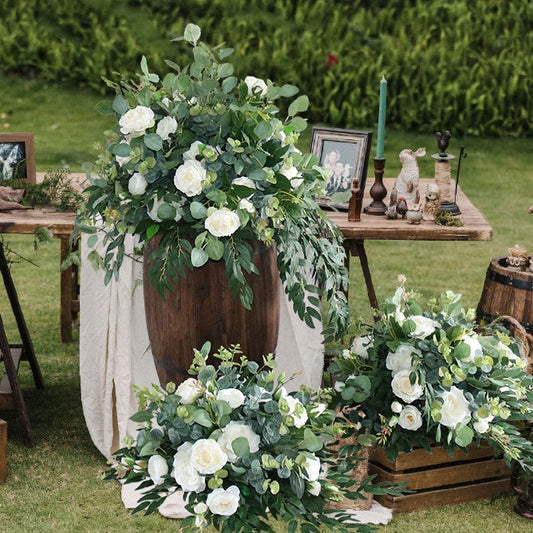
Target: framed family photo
x,y
17,160
344,154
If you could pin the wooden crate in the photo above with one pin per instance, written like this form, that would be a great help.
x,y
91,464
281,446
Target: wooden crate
x,y
3,450
438,479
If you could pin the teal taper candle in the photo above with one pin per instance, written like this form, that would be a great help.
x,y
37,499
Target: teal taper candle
x,y
381,117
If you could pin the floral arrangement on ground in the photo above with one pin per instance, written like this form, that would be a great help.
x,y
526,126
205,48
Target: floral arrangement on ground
x,y
239,450
419,377
204,162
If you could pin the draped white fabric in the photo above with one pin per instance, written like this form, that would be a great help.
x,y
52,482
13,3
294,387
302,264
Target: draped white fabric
x,y
115,352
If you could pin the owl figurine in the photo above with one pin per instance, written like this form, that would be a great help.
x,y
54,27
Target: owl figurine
x,y
431,202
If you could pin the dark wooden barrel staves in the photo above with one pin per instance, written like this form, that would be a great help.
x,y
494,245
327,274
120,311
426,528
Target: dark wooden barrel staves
x,y
201,308
507,291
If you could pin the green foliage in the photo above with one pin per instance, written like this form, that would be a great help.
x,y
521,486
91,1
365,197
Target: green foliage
x,y
463,64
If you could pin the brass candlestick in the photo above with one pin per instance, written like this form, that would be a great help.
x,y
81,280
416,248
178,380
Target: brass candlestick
x,y
378,190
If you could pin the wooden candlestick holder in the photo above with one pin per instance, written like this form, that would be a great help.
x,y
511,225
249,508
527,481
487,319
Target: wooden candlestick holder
x,y
378,190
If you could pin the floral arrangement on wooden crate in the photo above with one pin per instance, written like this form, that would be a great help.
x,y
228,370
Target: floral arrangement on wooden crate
x,y
419,377
206,162
241,450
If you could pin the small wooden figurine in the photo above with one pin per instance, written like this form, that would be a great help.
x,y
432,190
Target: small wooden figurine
x,y
431,202
406,185
354,204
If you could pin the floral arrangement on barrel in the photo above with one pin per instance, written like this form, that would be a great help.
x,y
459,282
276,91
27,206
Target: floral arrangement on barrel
x,y
239,450
421,377
204,161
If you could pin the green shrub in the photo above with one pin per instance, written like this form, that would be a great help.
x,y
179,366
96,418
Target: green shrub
x,y
459,64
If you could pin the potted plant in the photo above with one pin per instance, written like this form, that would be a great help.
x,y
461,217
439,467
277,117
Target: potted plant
x,y
202,167
236,449
422,377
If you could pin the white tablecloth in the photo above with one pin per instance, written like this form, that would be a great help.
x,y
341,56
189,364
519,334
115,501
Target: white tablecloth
x,y
115,352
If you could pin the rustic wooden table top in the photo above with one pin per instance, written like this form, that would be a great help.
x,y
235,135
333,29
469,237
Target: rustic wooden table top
x,y
475,226
26,221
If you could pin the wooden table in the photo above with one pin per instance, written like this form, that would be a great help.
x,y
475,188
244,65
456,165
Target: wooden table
x,y
475,228
61,225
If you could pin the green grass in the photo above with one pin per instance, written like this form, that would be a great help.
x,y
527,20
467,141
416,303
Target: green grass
x,y
54,487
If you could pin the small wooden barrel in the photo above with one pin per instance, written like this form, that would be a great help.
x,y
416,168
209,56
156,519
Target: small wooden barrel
x,y
202,308
507,291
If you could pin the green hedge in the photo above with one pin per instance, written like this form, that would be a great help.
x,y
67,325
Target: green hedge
x,y
459,64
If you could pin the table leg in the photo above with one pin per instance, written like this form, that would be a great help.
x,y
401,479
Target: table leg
x,y
27,345
66,292
357,249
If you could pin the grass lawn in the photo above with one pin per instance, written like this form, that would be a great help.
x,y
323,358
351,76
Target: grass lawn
x,y
54,487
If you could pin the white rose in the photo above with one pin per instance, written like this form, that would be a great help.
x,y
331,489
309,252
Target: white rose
x,y
410,418
193,151
137,184
312,468
361,345
233,431
424,326
454,407
189,390
396,407
136,121
476,349
290,172
165,127
244,182
402,358
297,411
222,223
246,205
402,388
314,488
207,456
189,177
506,351
224,502
157,469
234,397
255,85
184,473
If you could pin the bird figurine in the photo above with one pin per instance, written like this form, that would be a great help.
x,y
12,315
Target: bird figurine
x,y
443,140
391,212
414,215
401,207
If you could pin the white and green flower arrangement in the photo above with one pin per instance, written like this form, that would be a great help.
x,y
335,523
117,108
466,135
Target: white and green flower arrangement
x,y
240,450
206,162
433,377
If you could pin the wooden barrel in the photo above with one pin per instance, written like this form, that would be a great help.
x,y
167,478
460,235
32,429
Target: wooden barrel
x,y
507,291
201,308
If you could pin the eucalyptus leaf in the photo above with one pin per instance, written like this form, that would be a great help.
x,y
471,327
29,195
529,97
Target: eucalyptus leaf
x,y
192,33
153,141
201,416
199,257
120,104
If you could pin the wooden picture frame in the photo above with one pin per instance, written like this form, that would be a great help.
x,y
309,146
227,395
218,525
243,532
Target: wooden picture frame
x,y
17,157
345,154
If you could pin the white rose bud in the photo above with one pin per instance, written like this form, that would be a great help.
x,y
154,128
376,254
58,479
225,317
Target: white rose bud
x,y
396,407
207,456
193,151
454,407
222,223
189,177
361,345
224,502
312,468
476,350
314,488
402,358
297,411
481,426
410,418
255,85
137,184
234,397
402,388
424,326
166,127
157,469
246,205
136,121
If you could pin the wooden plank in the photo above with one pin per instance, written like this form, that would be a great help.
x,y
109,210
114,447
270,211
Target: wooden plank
x,y
446,496
475,226
3,451
419,458
470,472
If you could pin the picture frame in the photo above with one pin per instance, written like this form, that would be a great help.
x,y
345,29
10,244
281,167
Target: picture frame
x,y
345,153
17,157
